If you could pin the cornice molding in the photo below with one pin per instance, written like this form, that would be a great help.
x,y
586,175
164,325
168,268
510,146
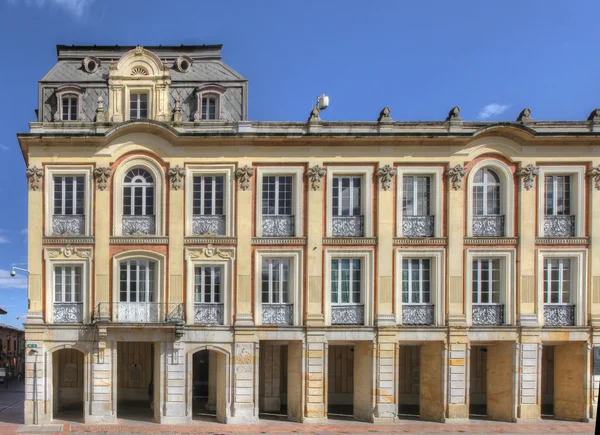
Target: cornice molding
x,y
279,240
68,240
491,240
198,240
562,241
138,240
399,241
349,240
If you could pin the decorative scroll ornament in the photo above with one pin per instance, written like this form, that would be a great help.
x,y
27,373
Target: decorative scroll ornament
x,y
34,176
595,174
385,175
456,175
315,174
101,175
528,174
244,174
176,175
210,251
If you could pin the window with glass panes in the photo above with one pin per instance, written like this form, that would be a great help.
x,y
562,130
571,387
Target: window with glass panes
x,y
207,284
67,284
346,196
208,195
209,107
486,193
137,281
558,195
416,195
486,281
69,195
346,280
276,280
557,281
138,193
69,108
416,281
138,105
277,195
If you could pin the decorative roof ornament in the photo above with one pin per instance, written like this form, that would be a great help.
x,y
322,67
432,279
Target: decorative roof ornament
x,y
456,175
314,175
595,174
525,116
385,175
528,174
454,114
244,174
314,116
177,116
385,115
34,177
101,175
139,50
100,114
176,174
594,116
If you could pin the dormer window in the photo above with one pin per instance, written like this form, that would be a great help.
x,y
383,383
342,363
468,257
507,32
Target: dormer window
x,y
69,107
209,102
138,105
209,107
69,99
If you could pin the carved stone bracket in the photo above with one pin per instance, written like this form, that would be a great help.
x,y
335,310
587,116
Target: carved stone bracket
x,y
314,175
101,175
176,174
68,251
385,175
34,177
456,175
210,251
244,174
528,174
595,174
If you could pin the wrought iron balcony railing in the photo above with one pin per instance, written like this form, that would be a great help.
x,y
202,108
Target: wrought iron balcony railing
x,y
559,315
488,226
559,226
64,224
277,314
208,224
347,226
417,314
68,312
139,312
418,226
277,226
347,314
139,225
488,314
209,314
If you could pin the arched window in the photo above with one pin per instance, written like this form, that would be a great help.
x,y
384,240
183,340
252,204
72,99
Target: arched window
x,y
487,200
138,202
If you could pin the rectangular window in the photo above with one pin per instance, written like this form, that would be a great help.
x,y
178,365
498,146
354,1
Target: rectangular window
x,y
346,280
208,195
69,108
416,198
67,284
486,281
209,108
558,195
207,285
347,196
416,281
138,105
68,195
275,281
557,281
136,281
277,195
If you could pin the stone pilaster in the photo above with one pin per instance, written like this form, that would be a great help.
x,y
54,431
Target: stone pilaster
x,y
35,205
35,383
385,383
456,230
458,375
102,233
101,410
385,243
176,230
530,378
245,185
364,394
316,378
245,380
315,203
594,225
173,409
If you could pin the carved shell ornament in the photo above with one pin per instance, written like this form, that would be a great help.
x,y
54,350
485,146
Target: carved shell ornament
x,y
139,71
315,174
528,174
34,176
101,175
244,174
176,174
456,175
385,175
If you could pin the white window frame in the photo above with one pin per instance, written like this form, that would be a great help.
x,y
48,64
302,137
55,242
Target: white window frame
x,y
144,186
134,89
490,291
297,208
507,281
366,172
228,190
436,194
296,281
211,292
278,291
367,264
438,282
209,90
193,261
577,174
507,202
88,195
579,281
71,96
69,90
339,283
560,282
64,281
148,292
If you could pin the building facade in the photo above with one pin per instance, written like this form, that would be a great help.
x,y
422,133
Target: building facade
x,y
186,260
12,355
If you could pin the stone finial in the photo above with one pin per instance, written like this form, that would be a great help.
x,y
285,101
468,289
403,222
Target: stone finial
x,y
525,116
314,175
139,50
385,175
385,115
176,175
595,116
314,116
595,174
244,174
177,116
100,114
454,114
528,174
101,175
34,177
456,175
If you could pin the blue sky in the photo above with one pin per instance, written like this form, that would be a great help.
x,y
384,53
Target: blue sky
x,y
421,58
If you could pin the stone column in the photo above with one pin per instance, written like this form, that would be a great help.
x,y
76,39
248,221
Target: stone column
x,y
364,355
431,383
314,253
530,378
316,378
245,379
458,385
456,216
211,404
243,303
174,382
500,381
385,384
385,243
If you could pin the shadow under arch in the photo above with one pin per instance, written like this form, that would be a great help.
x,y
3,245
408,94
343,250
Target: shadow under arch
x,y
68,388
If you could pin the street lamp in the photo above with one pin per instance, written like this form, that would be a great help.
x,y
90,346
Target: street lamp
x,y
13,272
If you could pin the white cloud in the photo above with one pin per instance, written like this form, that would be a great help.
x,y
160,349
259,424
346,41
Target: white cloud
x,y
493,109
75,7
24,233
9,282
3,239
3,147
